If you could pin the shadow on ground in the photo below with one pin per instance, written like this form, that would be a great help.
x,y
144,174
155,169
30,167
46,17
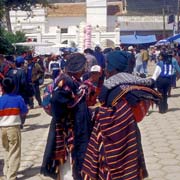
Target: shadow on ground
x,y
33,127
33,115
1,167
174,95
173,109
28,173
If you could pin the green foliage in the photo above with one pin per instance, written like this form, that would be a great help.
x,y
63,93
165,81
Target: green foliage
x,y
5,45
24,5
1,10
7,40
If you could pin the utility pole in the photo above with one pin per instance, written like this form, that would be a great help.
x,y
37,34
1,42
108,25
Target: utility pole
x,y
178,13
164,23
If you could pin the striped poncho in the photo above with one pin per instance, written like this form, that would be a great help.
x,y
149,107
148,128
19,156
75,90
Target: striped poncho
x,y
114,151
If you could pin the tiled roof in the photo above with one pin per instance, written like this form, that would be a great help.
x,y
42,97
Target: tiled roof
x,y
79,9
67,10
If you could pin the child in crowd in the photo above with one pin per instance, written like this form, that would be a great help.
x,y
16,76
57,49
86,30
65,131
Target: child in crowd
x,y
94,84
12,109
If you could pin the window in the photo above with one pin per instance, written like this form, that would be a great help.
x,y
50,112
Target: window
x,y
64,30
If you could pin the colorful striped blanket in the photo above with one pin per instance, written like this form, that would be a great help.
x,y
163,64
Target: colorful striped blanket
x,y
114,151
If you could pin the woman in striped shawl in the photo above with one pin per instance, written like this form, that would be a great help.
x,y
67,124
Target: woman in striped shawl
x,y
71,126
114,151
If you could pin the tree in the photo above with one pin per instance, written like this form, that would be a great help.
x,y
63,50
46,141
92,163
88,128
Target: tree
x,y
5,45
1,11
7,40
24,5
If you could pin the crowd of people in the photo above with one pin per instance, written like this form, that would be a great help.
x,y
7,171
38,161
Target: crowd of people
x,y
97,100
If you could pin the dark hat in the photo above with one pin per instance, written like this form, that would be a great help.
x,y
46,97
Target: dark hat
x,y
163,54
8,85
170,52
107,50
89,51
29,57
10,58
97,48
75,63
117,60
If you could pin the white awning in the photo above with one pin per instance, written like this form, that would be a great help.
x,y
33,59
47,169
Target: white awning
x,y
33,44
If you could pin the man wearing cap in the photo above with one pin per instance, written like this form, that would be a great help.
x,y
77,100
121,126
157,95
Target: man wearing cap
x,y
18,75
34,73
145,58
131,59
54,67
94,85
163,74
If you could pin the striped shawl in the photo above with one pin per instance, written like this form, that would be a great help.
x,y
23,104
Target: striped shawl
x,y
114,151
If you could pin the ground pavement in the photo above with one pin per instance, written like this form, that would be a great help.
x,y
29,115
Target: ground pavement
x,y
160,139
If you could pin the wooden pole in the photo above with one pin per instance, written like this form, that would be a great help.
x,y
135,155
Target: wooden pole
x,y
164,24
178,16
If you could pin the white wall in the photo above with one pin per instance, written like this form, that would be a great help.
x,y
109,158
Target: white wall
x,y
97,16
151,22
96,13
95,3
141,18
24,21
63,22
111,23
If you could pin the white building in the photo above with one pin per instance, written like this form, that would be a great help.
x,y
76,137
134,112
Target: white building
x,y
61,22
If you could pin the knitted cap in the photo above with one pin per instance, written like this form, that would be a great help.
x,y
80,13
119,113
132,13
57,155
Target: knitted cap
x,y
117,60
75,63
